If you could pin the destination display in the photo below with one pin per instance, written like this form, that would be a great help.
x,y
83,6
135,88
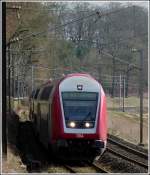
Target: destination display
x,y
80,95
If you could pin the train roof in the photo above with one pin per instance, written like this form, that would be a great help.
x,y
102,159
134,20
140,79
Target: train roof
x,y
78,74
57,81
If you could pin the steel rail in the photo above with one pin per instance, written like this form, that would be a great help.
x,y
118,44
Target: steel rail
x,y
139,153
127,158
91,165
72,170
98,168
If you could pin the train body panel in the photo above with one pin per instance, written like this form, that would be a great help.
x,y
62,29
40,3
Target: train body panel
x,y
73,111
87,85
102,120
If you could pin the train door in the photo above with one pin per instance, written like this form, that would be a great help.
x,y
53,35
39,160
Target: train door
x,y
44,109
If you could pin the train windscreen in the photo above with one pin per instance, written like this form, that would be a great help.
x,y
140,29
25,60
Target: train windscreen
x,y
80,106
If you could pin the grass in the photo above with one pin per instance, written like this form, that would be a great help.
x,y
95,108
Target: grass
x,y
57,169
132,117
13,163
20,104
129,102
127,126
21,110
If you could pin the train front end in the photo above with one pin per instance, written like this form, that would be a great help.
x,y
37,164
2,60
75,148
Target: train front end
x,y
83,112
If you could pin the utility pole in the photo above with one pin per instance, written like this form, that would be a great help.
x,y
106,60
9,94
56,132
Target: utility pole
x,y
12,70
141,97
9,99
113,78
32,74
17,84
15,9
141,93
124,92
4,96
120,89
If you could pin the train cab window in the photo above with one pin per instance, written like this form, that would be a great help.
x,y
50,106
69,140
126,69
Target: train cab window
x,y
80,106
36,93
46,93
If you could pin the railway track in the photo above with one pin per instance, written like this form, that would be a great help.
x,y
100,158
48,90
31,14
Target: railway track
x,y
127,153
139,153
71,170
28,145
90,167
97,167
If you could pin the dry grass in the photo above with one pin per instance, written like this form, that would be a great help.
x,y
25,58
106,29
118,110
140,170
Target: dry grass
x,y
127,126
57,169
132,101
21,109
130,116
13,163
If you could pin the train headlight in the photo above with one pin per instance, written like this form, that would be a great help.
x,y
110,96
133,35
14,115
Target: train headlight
x,y
72,124
87,124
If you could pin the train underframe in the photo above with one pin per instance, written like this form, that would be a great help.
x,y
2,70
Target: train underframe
x,y
78,149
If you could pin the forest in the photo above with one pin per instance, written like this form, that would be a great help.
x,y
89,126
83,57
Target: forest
x,y
63,37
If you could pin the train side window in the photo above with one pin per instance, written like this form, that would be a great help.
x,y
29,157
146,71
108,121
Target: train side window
x,y
46,93
36,93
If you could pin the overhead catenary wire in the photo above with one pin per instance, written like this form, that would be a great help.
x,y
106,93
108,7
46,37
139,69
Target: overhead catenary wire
x,y
118,59
45,10
126,39
26,50
56,27
118,42
50,9
76,20
70,22
122,40
115,58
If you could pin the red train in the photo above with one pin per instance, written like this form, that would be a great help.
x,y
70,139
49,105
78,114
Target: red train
x,y
71,113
